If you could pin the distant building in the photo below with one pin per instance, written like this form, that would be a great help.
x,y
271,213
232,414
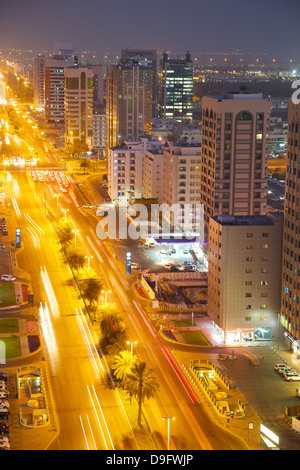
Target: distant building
x,y
39,82
176,88
244,275
128,103
79,104
153,173
99,129
145,58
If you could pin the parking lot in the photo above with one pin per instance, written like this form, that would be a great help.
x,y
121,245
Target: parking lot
x,y
266,390
163,257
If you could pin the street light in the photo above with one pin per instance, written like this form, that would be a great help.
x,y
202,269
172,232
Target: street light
x,y
57,196
88,258
131,348
168,418
106,292
65,211
75,232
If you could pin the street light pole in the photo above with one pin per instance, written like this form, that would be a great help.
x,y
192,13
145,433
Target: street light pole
x,y
131,349
168,418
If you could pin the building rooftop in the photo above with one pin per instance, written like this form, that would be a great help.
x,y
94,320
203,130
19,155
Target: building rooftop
x,y
245,220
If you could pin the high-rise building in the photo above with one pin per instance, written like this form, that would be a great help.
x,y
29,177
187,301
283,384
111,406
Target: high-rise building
x,y
39,82
99,129
176,88
125,171
128,103
234,154
290,297
181,177
244,276
145,58
79,104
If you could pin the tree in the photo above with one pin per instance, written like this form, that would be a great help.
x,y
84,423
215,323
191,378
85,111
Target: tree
x,y
141,383
85,164
65,236
110,324
75,260
91,290
117,343
123,364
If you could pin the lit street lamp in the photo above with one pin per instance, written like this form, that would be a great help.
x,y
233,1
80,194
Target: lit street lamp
x,y
131,348
75,232
106,292
88,258
168,418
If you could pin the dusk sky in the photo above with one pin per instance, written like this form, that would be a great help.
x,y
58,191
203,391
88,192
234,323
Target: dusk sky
x,y
269,26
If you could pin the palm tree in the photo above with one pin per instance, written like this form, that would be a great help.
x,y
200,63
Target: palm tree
x,y
141,383
91,290
117,343
75,260
123,364
110,323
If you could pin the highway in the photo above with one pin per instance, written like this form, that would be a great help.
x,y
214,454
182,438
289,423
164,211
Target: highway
x,y
191,429
90,415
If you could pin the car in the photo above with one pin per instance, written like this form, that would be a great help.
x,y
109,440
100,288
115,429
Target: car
x,y
3,376
283,370
4,439
4,446
3,395
4,402
186,251
7,277
163,252
292,377
280,366
168,266
2,246
135,265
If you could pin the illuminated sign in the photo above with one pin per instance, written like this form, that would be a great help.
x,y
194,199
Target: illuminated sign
x,y
128,262
18,238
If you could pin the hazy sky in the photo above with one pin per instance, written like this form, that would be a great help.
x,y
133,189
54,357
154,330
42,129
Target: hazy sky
x,y
270,26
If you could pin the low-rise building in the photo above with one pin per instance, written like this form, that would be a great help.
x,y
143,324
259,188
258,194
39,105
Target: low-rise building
x,y
244,275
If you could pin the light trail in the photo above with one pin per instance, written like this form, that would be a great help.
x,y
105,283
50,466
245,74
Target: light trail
x,y
89,340
16,207
98,420
41,231
49,291
103,417
84,433
35,237
47,329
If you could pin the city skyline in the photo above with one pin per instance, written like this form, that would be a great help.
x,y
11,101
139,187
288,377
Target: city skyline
x,y
263,29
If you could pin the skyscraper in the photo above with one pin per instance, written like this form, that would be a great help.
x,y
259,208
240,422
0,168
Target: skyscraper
x,y
128,102
234,154
290,293
79,104
145,58
176,88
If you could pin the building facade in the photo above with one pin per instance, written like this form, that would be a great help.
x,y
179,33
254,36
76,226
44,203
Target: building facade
x,y
79,105
176,88
290,297
181,181
244,276
234,154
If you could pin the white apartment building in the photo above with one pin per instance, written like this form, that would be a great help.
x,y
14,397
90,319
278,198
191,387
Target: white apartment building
x,y
181,181
99,129
125,171
79,105
39,82
244,275
153,174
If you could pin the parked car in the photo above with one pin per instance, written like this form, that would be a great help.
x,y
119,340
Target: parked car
x,y
4,403
3,375
283,370
3,395
5,446
292,377
135,265
163,251
7,277
280,366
